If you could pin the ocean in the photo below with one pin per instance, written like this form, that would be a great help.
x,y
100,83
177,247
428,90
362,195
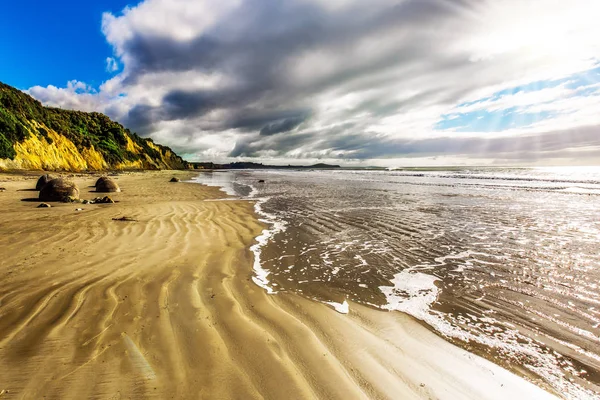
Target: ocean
x,y
504,262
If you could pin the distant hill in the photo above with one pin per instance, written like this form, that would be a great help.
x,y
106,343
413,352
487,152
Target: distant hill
x,y
253,165
323,166
36,137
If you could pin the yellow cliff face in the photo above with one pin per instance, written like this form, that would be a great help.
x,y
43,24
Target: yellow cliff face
x,y
129,165
95,160
132,146
36,153
153,146
167,159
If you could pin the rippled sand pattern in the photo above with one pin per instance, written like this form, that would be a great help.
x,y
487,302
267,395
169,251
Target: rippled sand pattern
x,y
84,297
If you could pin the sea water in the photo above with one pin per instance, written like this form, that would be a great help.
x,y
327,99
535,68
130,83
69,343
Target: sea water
x,y
503,261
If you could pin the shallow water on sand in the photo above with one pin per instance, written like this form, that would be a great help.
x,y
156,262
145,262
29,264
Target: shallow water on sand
x,y
505,262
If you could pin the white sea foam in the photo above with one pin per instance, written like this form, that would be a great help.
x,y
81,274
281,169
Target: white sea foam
x,y
276,226
413,293
342,308
363,262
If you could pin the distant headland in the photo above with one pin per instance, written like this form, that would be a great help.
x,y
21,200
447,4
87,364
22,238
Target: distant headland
x,y
253,165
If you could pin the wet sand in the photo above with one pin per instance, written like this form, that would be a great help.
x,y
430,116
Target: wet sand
x,y
164,307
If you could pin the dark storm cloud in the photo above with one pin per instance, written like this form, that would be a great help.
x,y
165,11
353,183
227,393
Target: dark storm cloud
x,y
283,144
269,32
141,118
270,35
269,123
504,147
180,104
282,125
364,147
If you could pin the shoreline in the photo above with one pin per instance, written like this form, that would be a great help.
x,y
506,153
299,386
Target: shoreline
x,y
165,307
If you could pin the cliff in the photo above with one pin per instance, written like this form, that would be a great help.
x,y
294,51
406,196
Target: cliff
x,y
36,137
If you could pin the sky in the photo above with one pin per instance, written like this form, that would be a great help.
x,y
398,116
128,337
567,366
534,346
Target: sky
x,y
353,82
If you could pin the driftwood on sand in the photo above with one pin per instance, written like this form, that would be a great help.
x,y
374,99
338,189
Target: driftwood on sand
x,y
127,219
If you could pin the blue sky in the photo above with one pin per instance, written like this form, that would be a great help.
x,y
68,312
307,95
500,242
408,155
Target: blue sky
x,y
383,82
53,42
581,85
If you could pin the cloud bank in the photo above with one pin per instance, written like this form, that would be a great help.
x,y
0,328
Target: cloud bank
x,y
354,81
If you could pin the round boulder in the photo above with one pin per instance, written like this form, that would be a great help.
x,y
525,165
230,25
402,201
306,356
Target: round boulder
x,y
107,185
100,180
42,181
59,190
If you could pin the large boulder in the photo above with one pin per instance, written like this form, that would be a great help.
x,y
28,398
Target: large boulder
x,y
100,180
42,181
59,190
107,185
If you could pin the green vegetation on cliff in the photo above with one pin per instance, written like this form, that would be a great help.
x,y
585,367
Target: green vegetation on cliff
x,y
22,116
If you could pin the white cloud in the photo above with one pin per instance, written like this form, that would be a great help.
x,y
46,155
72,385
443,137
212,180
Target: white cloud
x,y
111,64
77,96
206,76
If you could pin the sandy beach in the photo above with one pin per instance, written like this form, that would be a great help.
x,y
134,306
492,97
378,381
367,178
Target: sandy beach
x,y
164,307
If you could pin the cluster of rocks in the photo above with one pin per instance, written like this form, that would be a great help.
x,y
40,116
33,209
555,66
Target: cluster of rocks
x,y
99,200
54,189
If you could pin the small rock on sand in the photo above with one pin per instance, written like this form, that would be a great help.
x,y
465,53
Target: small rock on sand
x,y
44,205
174,179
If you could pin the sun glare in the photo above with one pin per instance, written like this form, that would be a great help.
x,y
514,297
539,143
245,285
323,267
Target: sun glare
x,y
551,31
